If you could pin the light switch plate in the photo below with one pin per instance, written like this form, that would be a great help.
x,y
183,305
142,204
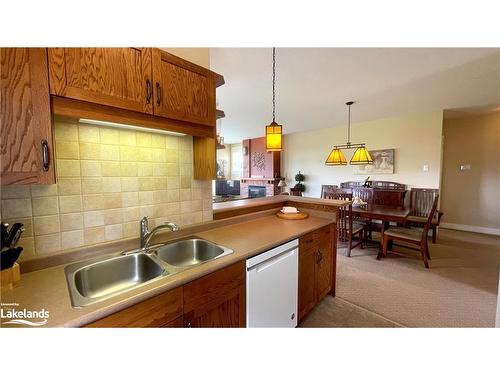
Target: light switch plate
x,y
425,168
465,167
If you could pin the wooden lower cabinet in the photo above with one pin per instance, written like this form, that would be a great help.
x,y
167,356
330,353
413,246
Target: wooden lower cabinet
x,y
317,261
163,310
307,275
215,300
218,300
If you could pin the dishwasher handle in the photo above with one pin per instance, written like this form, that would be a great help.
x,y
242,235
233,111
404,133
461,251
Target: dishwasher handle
x,y
273,260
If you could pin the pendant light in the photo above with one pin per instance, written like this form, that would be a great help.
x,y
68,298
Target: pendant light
x,y
361,155
273,130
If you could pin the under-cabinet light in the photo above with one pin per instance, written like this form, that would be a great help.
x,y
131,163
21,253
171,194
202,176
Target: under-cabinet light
x,y
129,127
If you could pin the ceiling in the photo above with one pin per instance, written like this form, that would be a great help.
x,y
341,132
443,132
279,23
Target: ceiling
x,y
471,111
313,84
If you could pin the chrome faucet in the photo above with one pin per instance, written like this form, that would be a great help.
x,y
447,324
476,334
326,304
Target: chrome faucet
x,y
146,235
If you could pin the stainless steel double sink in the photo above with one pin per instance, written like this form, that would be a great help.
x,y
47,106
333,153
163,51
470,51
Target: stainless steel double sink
x,y
96,280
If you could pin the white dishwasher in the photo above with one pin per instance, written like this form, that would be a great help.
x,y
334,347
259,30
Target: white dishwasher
x,y
272,287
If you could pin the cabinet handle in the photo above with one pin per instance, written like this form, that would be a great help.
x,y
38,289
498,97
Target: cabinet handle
x,y
148,91
45,155
189,325
319,256
158,93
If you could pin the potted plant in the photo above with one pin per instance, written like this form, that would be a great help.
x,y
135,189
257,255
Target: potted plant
x,y
299,177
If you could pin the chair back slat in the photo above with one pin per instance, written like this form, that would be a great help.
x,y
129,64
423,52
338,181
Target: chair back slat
x,y
327,189
344,221
365,194
421,201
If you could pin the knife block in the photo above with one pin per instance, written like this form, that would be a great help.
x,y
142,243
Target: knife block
x,y
10,276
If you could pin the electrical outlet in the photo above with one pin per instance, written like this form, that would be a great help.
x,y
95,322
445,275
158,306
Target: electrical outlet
x,y
425,168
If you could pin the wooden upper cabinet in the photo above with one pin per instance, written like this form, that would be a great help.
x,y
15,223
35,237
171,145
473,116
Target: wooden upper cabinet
x,y
26,128
117,77
183,91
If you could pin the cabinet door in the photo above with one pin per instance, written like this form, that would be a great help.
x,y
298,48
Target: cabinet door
x,y
164,310
324,263
117,77
26,131
307,275
183,91
217,300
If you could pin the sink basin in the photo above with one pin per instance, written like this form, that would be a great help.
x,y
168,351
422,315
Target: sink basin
x,y
190,252
96,280
90,282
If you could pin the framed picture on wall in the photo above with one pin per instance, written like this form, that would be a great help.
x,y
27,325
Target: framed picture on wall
x,y
383,163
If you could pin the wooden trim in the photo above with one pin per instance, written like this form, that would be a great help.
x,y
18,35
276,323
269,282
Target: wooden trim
x,y
219,80
246,210
80,109
313,206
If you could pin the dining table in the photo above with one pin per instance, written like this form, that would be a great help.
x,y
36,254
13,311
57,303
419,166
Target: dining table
x,y
386,214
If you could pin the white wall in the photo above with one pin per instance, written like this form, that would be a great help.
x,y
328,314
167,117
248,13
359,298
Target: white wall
x,y
472,140
200,56
236,161
416,139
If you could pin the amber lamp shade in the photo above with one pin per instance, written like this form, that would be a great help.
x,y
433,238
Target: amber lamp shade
x,y
336,157
273,137
361,156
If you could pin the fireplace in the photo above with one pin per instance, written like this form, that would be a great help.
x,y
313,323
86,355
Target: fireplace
x,y
255,191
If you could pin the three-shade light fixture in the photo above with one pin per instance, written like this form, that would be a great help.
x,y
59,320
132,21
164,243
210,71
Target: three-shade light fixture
x,y
361,155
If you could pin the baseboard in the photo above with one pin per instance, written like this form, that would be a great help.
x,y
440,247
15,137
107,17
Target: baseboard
x,y
471,228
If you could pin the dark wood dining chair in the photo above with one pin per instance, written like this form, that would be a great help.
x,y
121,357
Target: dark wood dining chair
x,y
412,236
348,228
421,201
366,195
326,189
295,192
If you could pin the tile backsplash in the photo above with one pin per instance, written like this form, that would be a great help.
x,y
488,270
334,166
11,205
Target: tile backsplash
x,y
107,180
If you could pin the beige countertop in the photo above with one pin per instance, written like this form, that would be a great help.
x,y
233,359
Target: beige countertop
x,y
256,202
47,288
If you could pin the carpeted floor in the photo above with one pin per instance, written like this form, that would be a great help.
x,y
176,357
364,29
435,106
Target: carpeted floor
x,y
459,290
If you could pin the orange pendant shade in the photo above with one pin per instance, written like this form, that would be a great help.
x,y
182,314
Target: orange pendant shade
x,y
273,137
361,156
336,157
